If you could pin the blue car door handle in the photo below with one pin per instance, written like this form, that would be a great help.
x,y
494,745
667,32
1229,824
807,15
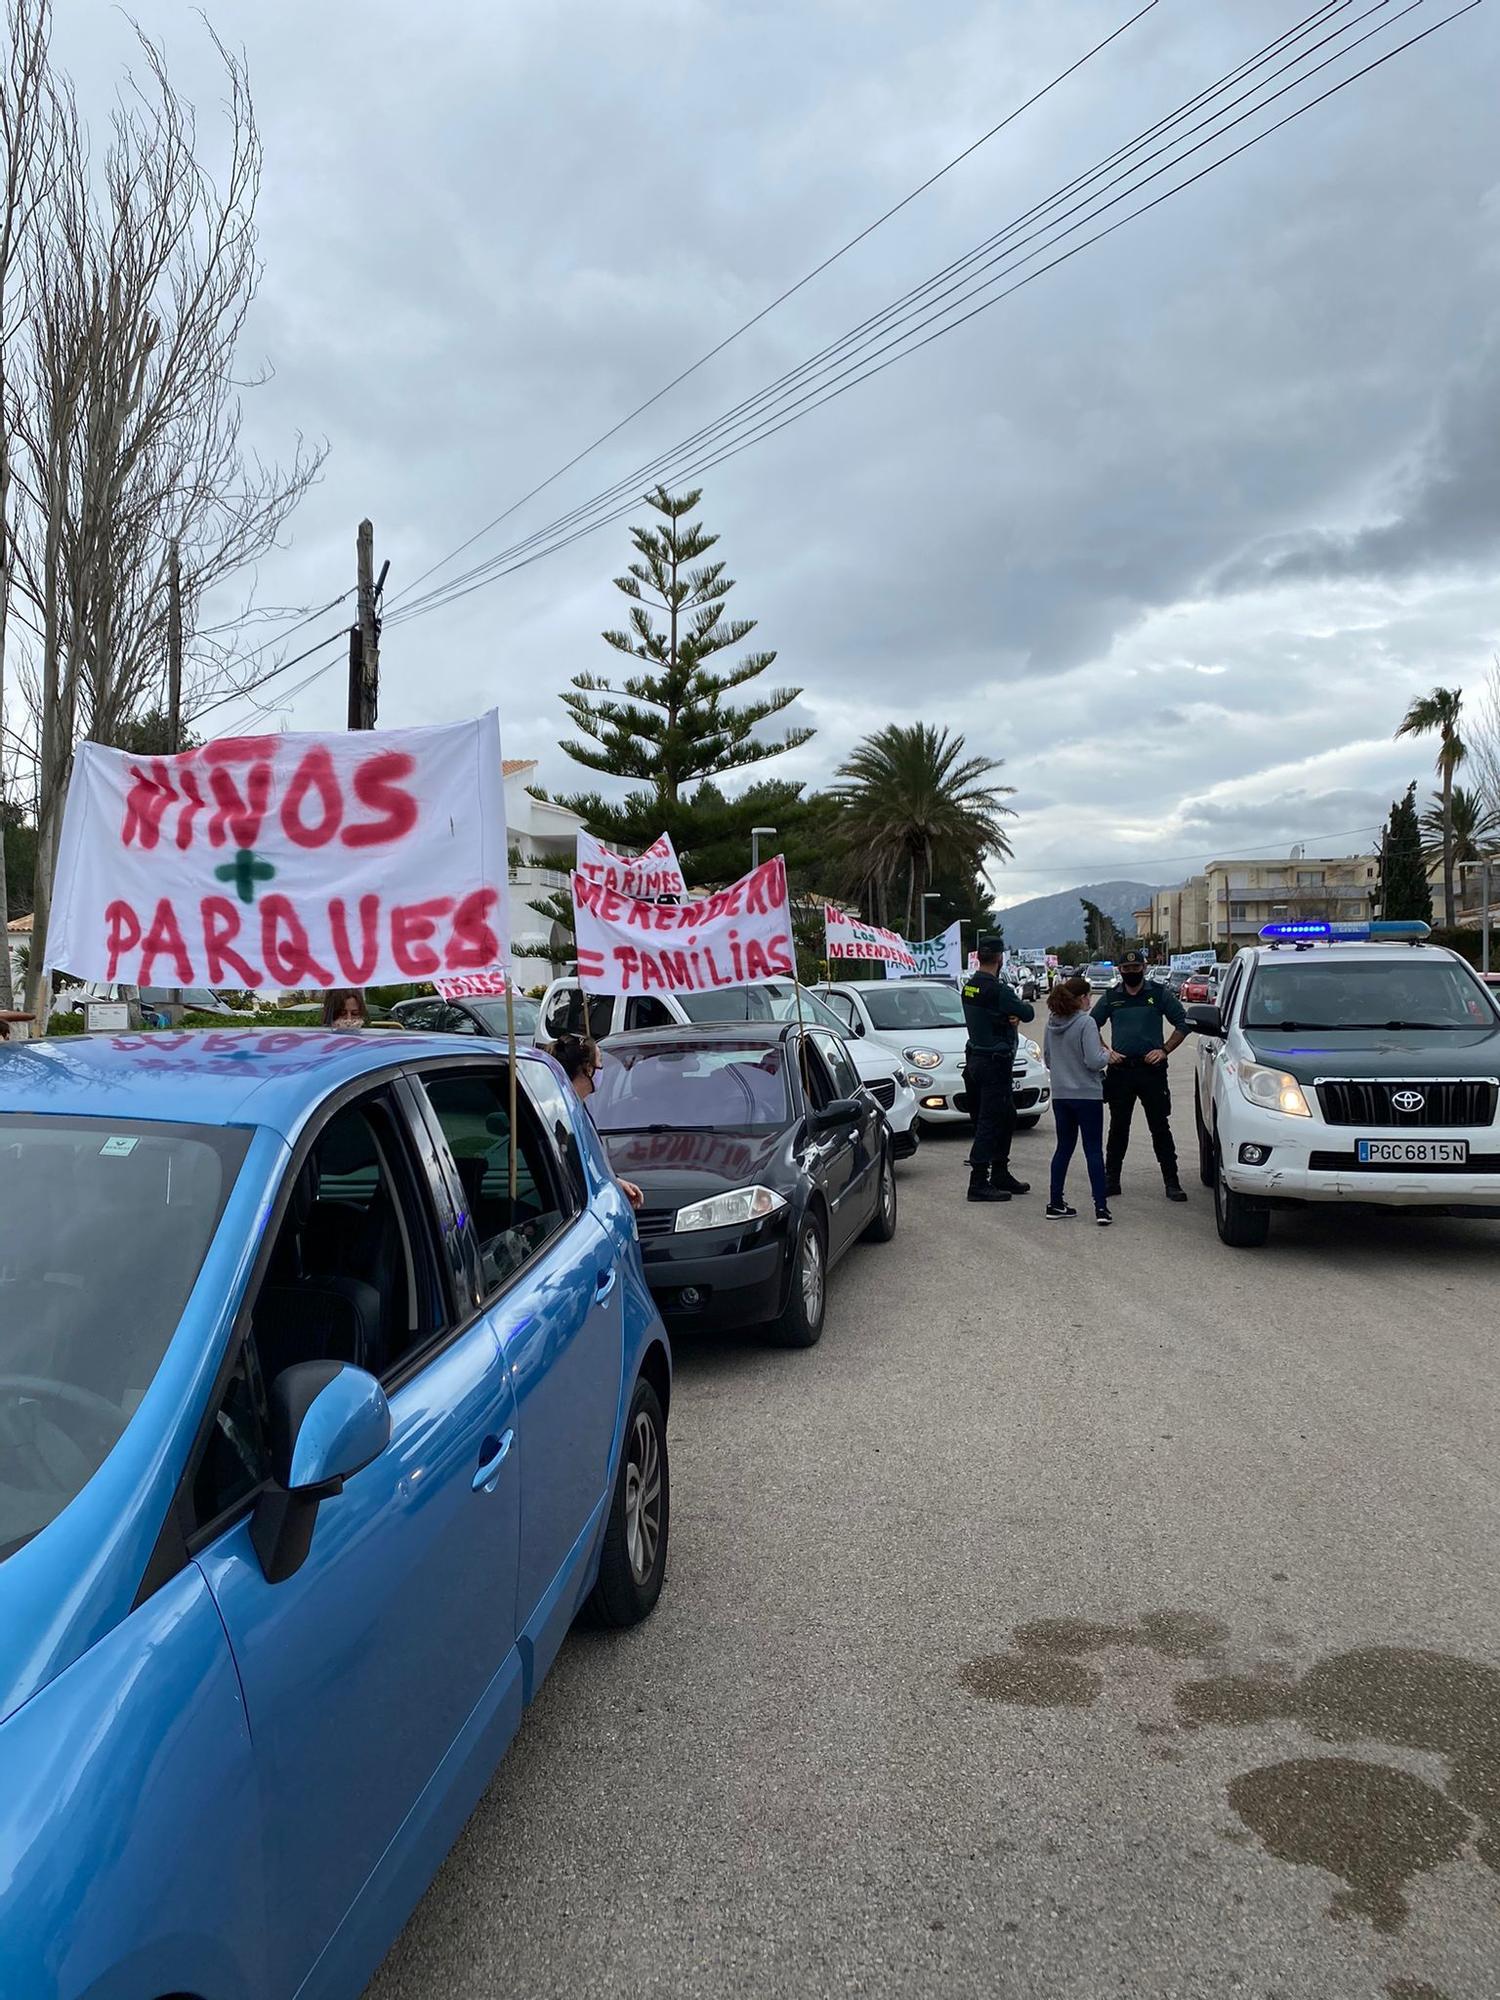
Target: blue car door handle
x,y
604,1284
492,1455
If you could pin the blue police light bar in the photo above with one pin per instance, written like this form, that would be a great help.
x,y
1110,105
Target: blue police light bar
x,y
1397,928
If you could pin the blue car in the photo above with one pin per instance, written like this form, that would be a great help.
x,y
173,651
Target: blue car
x,y
331,1391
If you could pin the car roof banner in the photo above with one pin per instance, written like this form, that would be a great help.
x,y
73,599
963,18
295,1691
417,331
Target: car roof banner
x,y
351,858
739,936
935,958
851,937
648,876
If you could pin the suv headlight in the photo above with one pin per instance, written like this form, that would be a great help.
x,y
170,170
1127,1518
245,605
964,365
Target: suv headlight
x,y
923,1058
1273,1090
721,1210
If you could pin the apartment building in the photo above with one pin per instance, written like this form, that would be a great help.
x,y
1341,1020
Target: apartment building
x,y
1179,916
1241,896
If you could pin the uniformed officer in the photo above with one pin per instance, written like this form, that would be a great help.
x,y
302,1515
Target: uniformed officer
x,y
992,1014
1134,1012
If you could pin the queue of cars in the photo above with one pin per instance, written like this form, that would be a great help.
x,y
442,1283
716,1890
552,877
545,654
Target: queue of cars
x,y
921,1023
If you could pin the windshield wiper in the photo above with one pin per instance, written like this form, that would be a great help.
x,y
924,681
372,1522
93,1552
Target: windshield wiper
x,y
1299,1027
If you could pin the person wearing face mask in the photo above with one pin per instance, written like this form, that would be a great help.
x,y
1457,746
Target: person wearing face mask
x,y
1137,1012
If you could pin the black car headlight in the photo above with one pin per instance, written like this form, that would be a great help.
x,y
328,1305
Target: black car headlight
x,y
722,1211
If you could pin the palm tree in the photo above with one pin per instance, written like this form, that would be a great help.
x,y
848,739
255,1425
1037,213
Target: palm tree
x,y
1437,713
915,805
1475,828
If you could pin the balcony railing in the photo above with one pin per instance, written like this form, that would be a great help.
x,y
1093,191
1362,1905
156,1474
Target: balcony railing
x,y
529,877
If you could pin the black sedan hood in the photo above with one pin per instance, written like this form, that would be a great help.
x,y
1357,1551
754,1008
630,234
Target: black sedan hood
x,y
1436,1053
674,1168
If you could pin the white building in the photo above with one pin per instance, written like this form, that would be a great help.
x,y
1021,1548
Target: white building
x,y
543,844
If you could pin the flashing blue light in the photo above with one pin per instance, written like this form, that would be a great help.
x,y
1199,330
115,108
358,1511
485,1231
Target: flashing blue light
x,y
1346,933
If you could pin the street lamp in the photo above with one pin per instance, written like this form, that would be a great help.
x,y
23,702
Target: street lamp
x,y
929,896
755,834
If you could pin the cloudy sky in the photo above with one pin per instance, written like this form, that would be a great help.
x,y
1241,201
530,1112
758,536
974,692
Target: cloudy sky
x,y
1177,531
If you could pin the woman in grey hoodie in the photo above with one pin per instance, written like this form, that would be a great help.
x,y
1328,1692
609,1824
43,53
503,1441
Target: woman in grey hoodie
x,y
1077,1060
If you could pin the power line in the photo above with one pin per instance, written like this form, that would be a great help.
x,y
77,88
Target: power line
x,y
241,694
908,344
781,298
632,483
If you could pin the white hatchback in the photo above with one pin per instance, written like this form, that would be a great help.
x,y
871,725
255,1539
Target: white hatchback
x,y
921,1022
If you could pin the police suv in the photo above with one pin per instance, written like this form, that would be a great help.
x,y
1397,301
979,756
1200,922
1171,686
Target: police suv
x,y
1352,1064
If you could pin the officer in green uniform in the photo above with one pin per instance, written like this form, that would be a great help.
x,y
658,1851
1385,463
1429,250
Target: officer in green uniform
x,y
1134,1012
992,1011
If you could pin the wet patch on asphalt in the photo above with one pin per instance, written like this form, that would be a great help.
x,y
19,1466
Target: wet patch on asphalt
x,y
1373,1826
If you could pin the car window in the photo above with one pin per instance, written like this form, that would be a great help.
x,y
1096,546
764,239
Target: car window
x,y
601,1017
555,1101
473,1109
904,1006
1231,990
421,1014
103,1227
564,1013
492,1014
728,1003
840,1004
646,1011
456,1022
820,1088
682,1086
1324,991
845,1075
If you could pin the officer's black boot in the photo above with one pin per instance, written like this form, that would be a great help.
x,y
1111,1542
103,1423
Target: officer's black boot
x,y
980,1188
1175,1190
1002,1177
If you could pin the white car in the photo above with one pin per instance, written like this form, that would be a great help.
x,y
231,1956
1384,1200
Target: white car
x,y
1357,1068
567,1010
921,1021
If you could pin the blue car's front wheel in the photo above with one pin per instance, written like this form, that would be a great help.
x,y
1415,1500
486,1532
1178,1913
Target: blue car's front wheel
x,y
634,1558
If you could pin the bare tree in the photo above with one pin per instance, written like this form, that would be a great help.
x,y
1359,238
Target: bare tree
x,y
24,128
1484,740
130,421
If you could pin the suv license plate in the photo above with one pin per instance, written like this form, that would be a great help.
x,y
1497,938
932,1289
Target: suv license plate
x,y
1413,1152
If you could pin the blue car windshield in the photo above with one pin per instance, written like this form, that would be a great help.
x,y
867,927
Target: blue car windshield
x,y
103,1227
685,1088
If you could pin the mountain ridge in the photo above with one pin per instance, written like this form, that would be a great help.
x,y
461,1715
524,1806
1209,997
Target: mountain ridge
x,y
1042,921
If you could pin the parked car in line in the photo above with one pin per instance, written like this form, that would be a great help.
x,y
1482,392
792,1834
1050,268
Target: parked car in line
x,y
922,1022
318,1425
762,1162
155,1001
567,1010
1199,986
483,1015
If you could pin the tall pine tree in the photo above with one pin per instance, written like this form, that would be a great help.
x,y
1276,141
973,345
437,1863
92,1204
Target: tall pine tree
x,y
1404,889
671,725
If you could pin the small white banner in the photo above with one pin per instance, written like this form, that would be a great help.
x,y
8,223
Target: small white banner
x,y
300,860
1191,961
851,937
936,958
648,877
473,985
739,936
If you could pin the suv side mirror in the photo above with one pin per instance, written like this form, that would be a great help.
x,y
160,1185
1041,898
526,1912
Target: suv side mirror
x,y
836,1114
328,1421
1206,1020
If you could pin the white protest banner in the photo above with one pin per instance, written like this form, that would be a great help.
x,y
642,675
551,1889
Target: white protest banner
x,y
936,958
346,859
473,985
851,937
739,936
651,875
1191,961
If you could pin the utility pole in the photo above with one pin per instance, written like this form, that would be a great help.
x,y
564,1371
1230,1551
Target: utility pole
x,y
174,647
364,636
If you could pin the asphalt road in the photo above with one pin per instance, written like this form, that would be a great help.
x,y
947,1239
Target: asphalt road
x,y
1090,1613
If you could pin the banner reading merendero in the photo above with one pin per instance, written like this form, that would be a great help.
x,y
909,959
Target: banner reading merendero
x,y
739,936
850,937
286,861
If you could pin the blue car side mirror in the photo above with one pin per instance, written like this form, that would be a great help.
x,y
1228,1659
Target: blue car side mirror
x,y
328,1421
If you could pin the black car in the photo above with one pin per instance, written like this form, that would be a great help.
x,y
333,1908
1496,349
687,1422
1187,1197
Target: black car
x,y
758,1173
484,1015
